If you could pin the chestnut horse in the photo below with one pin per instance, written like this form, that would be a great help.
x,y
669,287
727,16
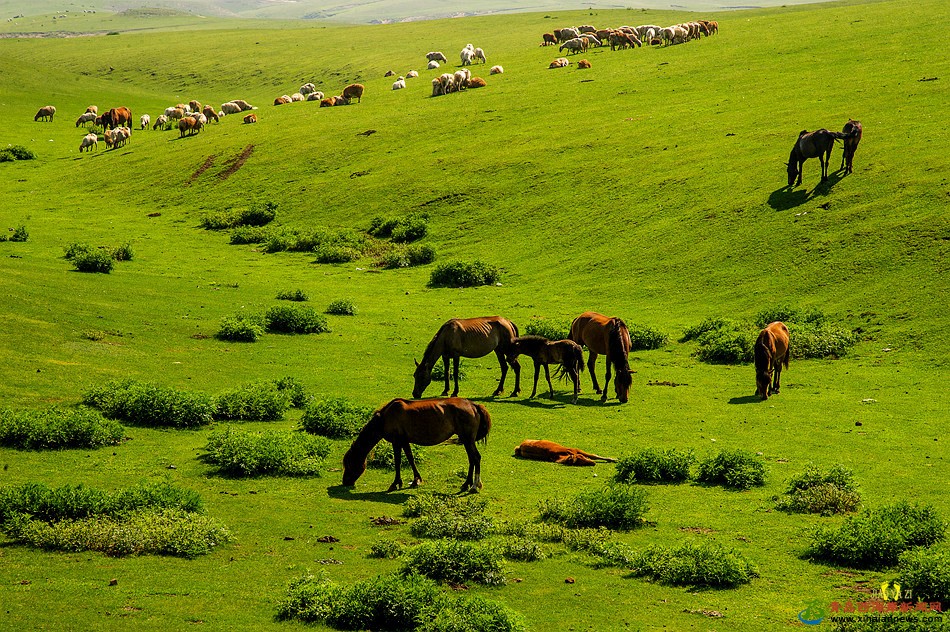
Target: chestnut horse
x,y
817,144
771,354
566,353
609,336
852,136
468,338
427,422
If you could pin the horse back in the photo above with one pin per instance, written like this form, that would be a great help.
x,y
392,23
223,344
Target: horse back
x,y
591,329
430,421
477,337
771,346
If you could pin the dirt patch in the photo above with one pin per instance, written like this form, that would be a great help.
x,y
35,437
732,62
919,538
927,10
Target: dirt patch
x,y
207,164
236,163
665,383
385,521
714,614
702,530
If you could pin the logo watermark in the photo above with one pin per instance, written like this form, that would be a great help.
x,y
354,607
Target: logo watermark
x,y
895,605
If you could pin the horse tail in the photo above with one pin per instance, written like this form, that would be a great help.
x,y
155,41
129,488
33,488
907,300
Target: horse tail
x,y
578,353
484,424
788,353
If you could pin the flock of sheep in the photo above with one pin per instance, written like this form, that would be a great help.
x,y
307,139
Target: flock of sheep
x,y
577,39
309,92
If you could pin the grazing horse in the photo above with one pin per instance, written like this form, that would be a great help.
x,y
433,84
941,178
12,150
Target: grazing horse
x,y
771,354
852,136
608,336
427,422
566,353
817,144
468,338
541,450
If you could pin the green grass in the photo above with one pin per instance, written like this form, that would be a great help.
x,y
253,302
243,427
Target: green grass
x,y
649,187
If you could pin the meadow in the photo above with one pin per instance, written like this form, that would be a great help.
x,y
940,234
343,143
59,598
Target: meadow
x,y
650,187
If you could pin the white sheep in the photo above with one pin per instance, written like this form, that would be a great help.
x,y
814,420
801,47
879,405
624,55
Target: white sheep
x,y
162,121
436,87
411,74
89,142
145,120
307,88
297,96
462,77
227,108
433,65
480,54
315,96
436,56
399,84
496,70
88,117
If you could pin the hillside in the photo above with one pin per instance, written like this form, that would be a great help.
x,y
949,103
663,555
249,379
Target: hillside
x,y
651,186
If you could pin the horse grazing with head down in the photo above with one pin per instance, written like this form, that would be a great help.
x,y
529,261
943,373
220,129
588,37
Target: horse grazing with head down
x,y
427,422
771,354
468,338
852,136
565,353
817,144
608,336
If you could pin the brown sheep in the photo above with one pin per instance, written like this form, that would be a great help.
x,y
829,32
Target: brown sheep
x,y
353,91
194,105
188,124
93,108
46,113
476,82
210,114
390,73
282,100
328,102
583,64
250,118
548,39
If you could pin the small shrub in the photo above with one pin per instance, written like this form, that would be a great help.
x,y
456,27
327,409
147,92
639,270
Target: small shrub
x,y
459,274
333,253
550,329
397,258
381,457
278,241
614,506
449,517
146,404
341,307
257,215
335,417
284,453
241,235
218,220
644,338
75,249
655,466
293,295
731,344
474,614
788,314
695,565
57,428
822,340
123,252
875,538
815,492
16,152
927,572
20,234
241,328
708,324
93,261
401,229
420,254
262,401
732,468
294,390
522,550
387,549
295,319
455,562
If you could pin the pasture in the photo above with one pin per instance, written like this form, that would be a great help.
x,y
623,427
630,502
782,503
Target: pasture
x,y
650,187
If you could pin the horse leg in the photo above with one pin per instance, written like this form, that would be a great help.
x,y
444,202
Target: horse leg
x,y
603,398
591,365
397,454
445,376
516,367
455,376
777,383
416,476
576,381
474,481
824,159
547,374
801,167
537,373
504,372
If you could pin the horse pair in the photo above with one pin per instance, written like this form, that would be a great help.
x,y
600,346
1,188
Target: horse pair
x,y
818,144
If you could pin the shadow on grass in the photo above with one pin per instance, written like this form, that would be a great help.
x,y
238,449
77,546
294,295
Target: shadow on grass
x,y
785,198
342,492
544,401
746,399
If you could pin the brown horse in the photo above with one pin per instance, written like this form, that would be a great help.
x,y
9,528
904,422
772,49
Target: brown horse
x,y
427,422
468,338
608,336
852,136
566,353
771,354
817,144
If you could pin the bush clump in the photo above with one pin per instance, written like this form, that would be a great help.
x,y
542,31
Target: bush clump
x,y
441,516
260,401
16,152
475,614
927,572
123,252
20,234
335,417
875,538
241,328
292,295
57,428
256,215
276,452
737,469
814,491
522,550
455,562
404,229
333,253
695,565
94,261
550,329
295,319
460,274
146,404
387,549
655,466
341,307
731,343
241,235
614,506
644,338
294,390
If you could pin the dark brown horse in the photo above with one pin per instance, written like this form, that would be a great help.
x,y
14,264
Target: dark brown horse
x,y
771,354
609,336
566,353
468,338
852,136
427,422
817,144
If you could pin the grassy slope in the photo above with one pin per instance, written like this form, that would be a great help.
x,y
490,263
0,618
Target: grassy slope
x,y
618,189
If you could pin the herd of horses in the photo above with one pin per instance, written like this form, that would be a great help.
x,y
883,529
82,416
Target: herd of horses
x,y
818,144
428,422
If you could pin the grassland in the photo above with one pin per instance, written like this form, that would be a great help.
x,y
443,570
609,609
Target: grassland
x,y
650,187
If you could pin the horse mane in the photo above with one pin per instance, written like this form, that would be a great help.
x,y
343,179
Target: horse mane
x,y
432,352
615,347
763,355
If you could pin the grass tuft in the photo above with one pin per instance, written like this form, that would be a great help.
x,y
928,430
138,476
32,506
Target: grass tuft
x,y
259,401
460,274
57,428
295,319
455,562
813,491
146,404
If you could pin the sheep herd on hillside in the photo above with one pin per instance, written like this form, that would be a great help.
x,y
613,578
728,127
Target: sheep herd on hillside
x,y
577,39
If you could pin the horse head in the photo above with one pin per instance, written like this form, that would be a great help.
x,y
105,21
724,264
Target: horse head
x,y
353,467
762,382
422,377
622,383
792,168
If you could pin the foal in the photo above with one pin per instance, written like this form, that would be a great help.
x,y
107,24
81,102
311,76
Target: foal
x,y
852,136
565,353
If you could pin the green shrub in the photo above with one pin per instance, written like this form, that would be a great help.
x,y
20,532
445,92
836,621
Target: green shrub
x,y
875,538
459,274
401,229
94,261
456,562
738,469
295,319
333,253
57,428
241,235
381,457
550,329
20,234
927,573
449,517
16,152
278,241
75,249
695,565
813,491
123,252
709,324
396,258
822,340
241,328
335,417
420,254
275,452
731,344
341,307
788,314
655,466
261,401
644,338
146,404
292,295
522,550
474,614
294,390
257,215
387,549
217,220
614,506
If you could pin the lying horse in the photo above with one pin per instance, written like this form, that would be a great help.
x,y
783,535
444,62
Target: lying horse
x,y
852,136
771,354
566,353
540,450
427,422
609,336
817,144
468,338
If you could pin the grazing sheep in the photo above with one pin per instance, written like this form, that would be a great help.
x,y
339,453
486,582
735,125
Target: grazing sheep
x,y
89,142
177,114
353,91
210,114
436,87
476,82
230,108
88,117
195,105
566,34
282,100
461,78
307,89
602,34
202,119
120,136
46,113
162,121
576,45
185,107
448,82
586,28
189,124
296,96
144,121
315,96
93,108
170,111
244,105
436,56
107,136
467,55
250,118
548,39
480,54
328,102
591,39
496,70
399,84
432,65
411,74
390,73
